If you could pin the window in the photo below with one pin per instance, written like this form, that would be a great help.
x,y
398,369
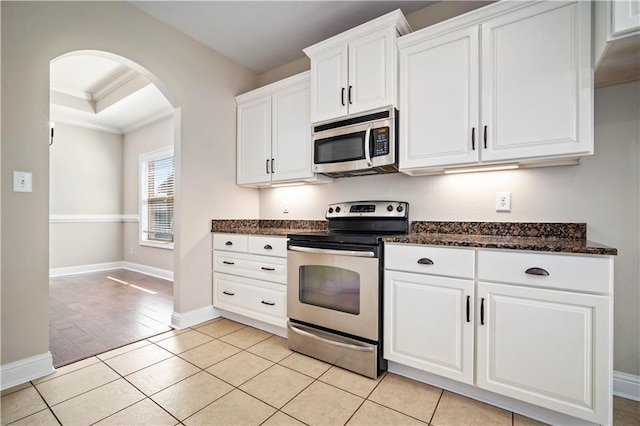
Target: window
x,y
157,198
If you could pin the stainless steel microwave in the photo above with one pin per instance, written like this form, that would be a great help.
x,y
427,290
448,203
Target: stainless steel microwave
x,y
359,145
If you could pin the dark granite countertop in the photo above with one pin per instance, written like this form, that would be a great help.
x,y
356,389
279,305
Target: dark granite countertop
x,y
530,236
266,227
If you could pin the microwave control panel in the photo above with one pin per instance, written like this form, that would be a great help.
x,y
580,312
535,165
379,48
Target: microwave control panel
x,y
380,141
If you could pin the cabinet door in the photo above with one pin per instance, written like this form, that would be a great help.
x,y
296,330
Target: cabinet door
x,y
537,91
372,71
329,84
426,324
291,141
254,141
549,348
439,101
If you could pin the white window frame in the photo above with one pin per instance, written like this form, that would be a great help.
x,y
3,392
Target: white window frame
x,y
145,158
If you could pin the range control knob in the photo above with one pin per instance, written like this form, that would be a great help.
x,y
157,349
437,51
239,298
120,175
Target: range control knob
x,y
330,209
337,209
389,208
400,208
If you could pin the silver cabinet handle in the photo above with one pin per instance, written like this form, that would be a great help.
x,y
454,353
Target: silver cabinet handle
x,y
537,271
329,342
333,252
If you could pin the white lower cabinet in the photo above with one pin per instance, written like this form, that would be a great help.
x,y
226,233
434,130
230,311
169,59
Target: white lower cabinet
x,y
250,276
546,347
542,323
428,324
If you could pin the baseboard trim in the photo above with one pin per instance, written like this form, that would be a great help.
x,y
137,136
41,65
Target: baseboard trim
x,y
148,270
191,318
626,385
24,370
97,267
83,269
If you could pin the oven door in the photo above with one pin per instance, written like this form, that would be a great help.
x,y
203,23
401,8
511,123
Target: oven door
x,y
335,286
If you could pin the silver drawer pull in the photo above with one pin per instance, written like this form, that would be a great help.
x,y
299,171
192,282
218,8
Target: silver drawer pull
x,y
537,271
228,243
268,303
228,293
333,252
425,261
226,262
268,247
264,268
329,342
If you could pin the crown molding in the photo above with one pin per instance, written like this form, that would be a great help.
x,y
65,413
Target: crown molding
x,y
114,82
60,118
147,121
55,87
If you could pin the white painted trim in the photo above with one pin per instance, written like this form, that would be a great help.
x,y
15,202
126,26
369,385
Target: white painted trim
x,y
83,269
97,267
148,121
148,270
21,371
118,79
626,385
189,319
92,218
61,118
81,94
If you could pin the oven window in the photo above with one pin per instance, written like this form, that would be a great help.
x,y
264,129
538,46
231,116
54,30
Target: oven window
x,y
339,148
330,287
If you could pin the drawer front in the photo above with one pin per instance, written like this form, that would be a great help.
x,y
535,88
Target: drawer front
x,y
592,274
246,296
431,260
267,268
230,242
268,246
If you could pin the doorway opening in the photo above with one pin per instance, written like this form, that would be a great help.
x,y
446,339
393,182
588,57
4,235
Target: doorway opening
x,y
111,284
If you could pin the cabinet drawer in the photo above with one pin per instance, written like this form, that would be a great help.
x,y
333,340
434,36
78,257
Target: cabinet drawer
x,y
592,274
248,265
430,260
230,242
246,296
268,246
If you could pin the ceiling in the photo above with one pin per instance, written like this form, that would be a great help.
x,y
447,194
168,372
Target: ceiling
x,y
103,94
262,35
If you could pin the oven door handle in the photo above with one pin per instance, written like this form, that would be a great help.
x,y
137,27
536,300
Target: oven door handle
x,y
352,253
329,342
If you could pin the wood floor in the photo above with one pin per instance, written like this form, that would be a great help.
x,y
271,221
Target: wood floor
x,y
94,312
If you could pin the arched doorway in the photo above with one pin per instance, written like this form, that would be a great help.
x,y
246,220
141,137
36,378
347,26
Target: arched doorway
x,y
111,275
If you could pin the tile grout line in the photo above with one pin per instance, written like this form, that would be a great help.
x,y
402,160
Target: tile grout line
x,y
436,407
46,403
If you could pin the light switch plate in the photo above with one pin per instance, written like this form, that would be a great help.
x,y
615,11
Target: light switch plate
x,y
22,181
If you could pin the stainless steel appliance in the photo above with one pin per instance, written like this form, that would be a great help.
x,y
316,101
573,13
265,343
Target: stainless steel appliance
x,y
334,279
360,145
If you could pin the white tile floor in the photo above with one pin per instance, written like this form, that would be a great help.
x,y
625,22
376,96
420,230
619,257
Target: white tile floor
x,y
223,372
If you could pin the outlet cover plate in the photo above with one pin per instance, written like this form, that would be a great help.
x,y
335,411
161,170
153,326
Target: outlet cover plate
x,y
503,201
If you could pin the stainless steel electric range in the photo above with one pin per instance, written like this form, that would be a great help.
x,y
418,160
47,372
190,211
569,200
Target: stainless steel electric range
x,y
334,294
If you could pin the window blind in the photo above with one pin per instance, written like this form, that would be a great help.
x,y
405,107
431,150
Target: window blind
x,y
158,200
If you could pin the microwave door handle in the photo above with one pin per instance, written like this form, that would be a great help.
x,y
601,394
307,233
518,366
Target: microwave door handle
x,y
367,145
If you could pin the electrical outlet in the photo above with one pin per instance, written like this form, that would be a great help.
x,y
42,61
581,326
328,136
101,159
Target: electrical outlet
x,y
503,201
285,208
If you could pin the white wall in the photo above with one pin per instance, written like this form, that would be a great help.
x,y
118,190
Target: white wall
x,y
150,138
202,83
85,179
603,191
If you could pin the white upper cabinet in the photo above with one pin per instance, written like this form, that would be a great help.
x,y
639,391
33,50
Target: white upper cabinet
x,y
274,134
537,84
356,71
511,82
439,101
